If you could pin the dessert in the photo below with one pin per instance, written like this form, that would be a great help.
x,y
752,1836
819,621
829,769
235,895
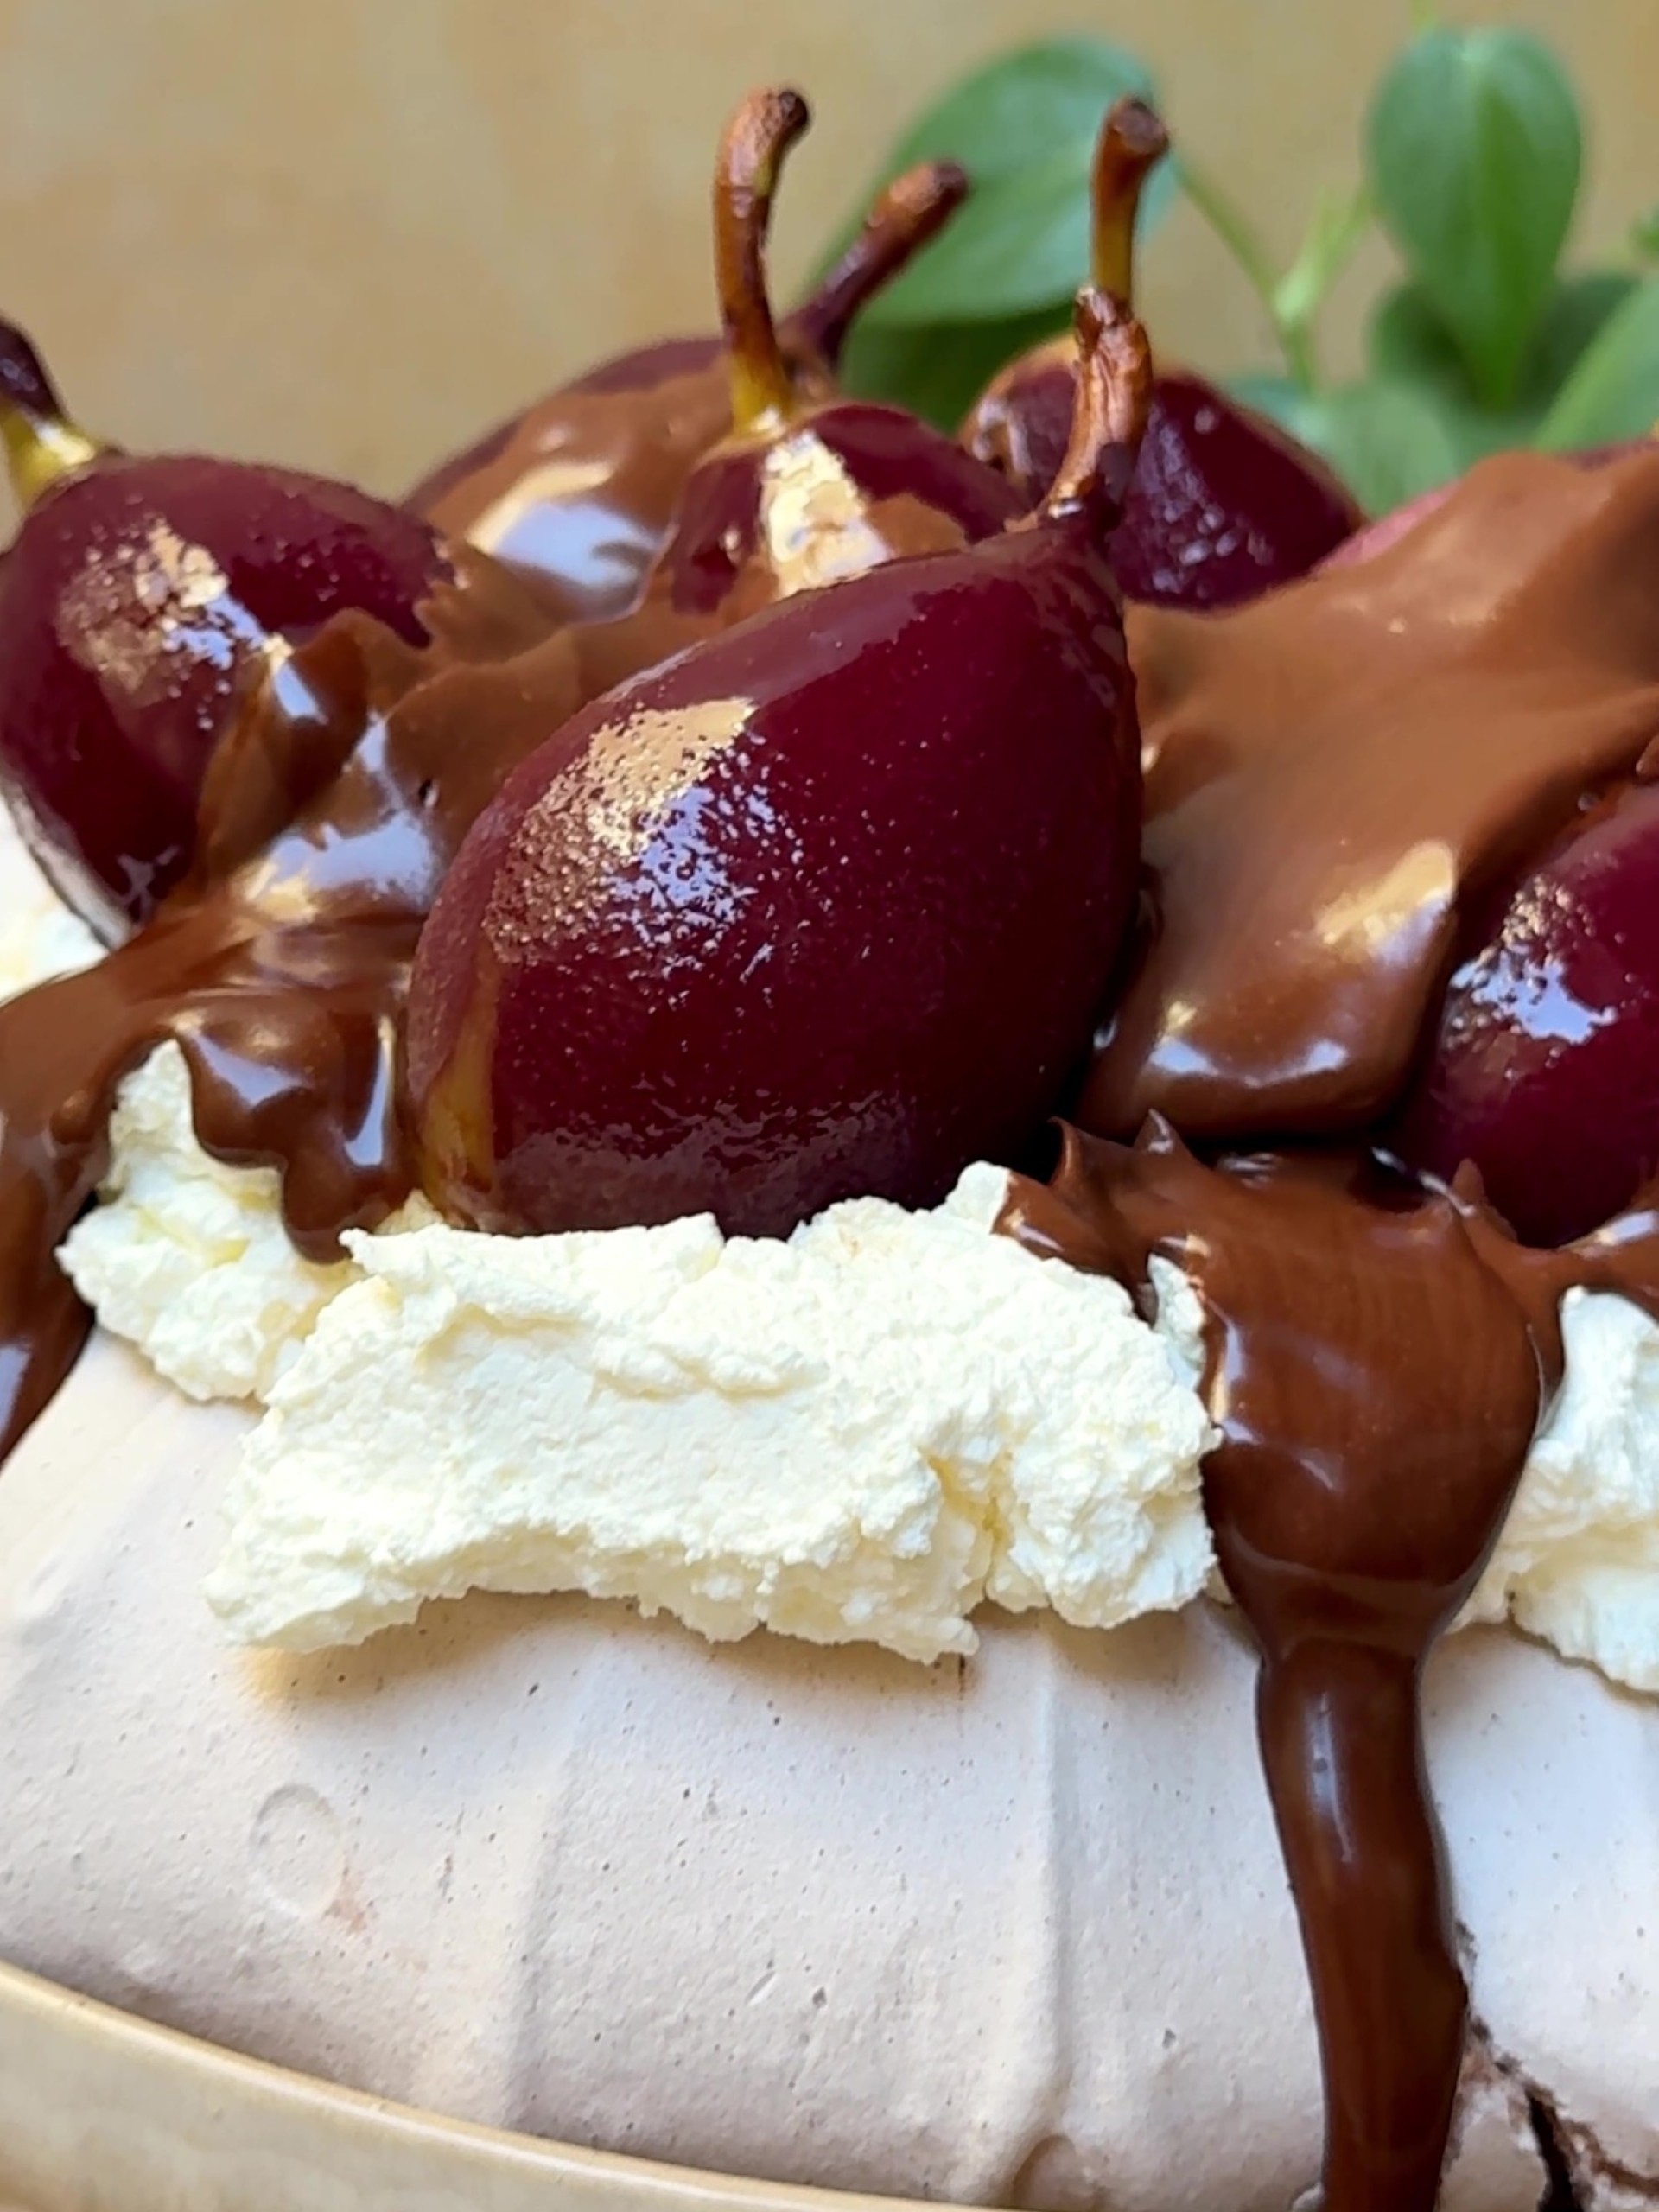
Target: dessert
x,y
607,1137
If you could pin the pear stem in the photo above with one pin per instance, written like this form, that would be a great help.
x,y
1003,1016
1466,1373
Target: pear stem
x,y
911,210
1132,142
751,152
1109,417
42,444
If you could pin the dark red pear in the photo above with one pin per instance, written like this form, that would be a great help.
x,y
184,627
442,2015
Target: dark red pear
x,y
825,906
1543,1066
807,486
139,598
1225,504
579,491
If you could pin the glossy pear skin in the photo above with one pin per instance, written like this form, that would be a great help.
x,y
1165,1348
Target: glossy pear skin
x,y
578,492
138,599
1223,505
843,489
1544,1068
824,908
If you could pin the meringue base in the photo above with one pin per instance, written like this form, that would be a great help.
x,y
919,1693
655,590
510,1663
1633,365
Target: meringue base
x,y
1010,1930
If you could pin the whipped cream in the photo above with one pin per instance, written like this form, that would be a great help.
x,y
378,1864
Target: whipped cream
x,y
40,938
188,1259
1578,1560
1090,1506
857,1435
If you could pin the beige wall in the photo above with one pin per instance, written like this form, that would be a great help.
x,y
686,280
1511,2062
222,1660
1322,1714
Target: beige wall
x,y
347,233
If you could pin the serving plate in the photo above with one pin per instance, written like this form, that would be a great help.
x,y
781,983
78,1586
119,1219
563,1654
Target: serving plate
x,y
100,2112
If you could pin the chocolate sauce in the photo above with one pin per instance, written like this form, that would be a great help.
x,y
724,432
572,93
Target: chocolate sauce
x,y
279,966
1377,1375
1337,775
578,492
1335,772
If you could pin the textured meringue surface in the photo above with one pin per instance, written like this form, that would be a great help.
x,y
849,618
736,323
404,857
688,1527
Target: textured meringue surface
x,y
1012,1928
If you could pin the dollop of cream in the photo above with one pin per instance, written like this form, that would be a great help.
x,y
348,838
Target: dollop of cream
x,y
858,1436
40,938
1578,1560
188,1259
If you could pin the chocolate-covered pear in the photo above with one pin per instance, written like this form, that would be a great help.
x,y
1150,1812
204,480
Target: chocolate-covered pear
x,y
808,487
825,906
1542,1066
1225,504
579,491
140,596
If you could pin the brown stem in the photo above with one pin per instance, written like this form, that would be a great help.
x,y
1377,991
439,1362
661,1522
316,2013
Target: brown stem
x,y
1132,142
42,444
757,138
1109,417
912,210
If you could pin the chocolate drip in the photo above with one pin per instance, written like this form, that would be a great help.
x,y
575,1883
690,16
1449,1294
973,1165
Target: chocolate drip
x,y
280,966
1334,772
1377,1359
578,493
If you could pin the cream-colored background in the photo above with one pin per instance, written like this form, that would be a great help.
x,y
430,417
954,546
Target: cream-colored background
x,y
348,232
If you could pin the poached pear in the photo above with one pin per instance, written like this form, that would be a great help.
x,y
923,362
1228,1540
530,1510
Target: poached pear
x,y
808,486
140,596
824,907
1225,504
578,491
1549,1027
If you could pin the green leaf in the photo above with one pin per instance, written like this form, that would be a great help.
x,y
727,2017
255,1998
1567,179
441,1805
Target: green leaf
x,y
1472,149
1645,236
1017,244
1576,313
1409,344
939,372
1010,112
1388,442
1613,393
1024,128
